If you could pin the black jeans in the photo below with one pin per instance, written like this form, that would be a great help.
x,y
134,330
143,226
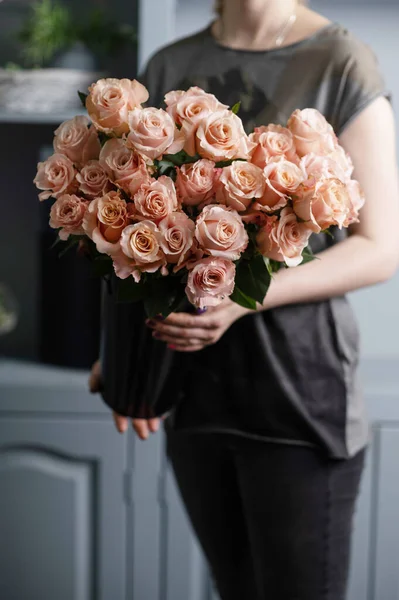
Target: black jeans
x,y
273,520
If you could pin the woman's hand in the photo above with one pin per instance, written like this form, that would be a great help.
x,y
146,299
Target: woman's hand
x,y
142,427
185,332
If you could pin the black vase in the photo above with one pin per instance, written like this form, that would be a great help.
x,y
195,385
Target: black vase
x,y
141,376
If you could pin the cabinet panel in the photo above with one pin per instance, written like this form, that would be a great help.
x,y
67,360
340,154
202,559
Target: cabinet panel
x,y
62,513
387,517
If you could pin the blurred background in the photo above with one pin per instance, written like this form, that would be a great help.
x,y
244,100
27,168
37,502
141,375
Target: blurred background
x,y
86,514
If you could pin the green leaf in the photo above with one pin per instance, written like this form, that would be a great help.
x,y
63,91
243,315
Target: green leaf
x,y
308,255
226,163
253,278
272,265
235,109
181,158
328,232
242,299
83,97
162,296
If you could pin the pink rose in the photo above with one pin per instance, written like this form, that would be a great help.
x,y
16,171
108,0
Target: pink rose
x,y
177,231
153,133
210,282
316,168
124,167
220,136
105,220
344,163
357,200
271,141
284,238
192,105
195,182
67,214
239,184
77,140
140,251
325,205
312,132
111,100
93,180
157,200
57,176
221,232
282,180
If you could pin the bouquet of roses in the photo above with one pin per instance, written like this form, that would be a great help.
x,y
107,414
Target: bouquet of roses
x,y
182,203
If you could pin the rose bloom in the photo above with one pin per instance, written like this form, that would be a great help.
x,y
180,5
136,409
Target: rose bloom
x,y
157,200
177,231
192,105
343,161
153,133
312,132
124,167
316,168
77,141
357,199
105,220
282,179
273,140
284,238
67,214
327,204
239,184
220,136
111,100
93,180
210,282
221,232
140,251
195,182
57,176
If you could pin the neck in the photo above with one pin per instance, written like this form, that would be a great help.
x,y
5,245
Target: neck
x,y
252,23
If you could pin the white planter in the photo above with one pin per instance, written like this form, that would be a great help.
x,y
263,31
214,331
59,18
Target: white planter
x,y
43,90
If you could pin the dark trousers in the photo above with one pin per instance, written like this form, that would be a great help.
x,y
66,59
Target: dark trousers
x,y
273,520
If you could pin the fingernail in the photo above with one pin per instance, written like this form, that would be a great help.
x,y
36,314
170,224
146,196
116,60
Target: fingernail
x,y
160,318
156,334
201,311
150,323
171,347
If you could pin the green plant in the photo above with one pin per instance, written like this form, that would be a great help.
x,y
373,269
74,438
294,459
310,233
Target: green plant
x,y
50,28
47,30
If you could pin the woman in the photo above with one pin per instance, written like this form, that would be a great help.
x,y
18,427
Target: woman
x,y
271,488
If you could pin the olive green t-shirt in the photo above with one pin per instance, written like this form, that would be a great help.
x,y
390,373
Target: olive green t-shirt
x,y
286,375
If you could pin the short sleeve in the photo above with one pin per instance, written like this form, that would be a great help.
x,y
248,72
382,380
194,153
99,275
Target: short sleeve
x,y
361,83
152,78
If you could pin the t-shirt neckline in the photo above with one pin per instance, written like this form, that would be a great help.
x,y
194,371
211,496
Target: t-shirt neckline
x,y
292,46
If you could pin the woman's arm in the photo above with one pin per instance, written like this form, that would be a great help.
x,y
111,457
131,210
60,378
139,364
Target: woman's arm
x,y
369,256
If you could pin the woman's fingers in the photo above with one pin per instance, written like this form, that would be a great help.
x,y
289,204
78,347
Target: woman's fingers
x,y
170,333
121,422
95,381
143,427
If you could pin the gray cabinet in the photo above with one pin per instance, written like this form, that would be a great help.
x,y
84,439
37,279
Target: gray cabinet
x,y
62,512
88,514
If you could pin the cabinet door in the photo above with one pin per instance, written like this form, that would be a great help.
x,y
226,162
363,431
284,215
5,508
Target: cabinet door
x,y
62,514
385,541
